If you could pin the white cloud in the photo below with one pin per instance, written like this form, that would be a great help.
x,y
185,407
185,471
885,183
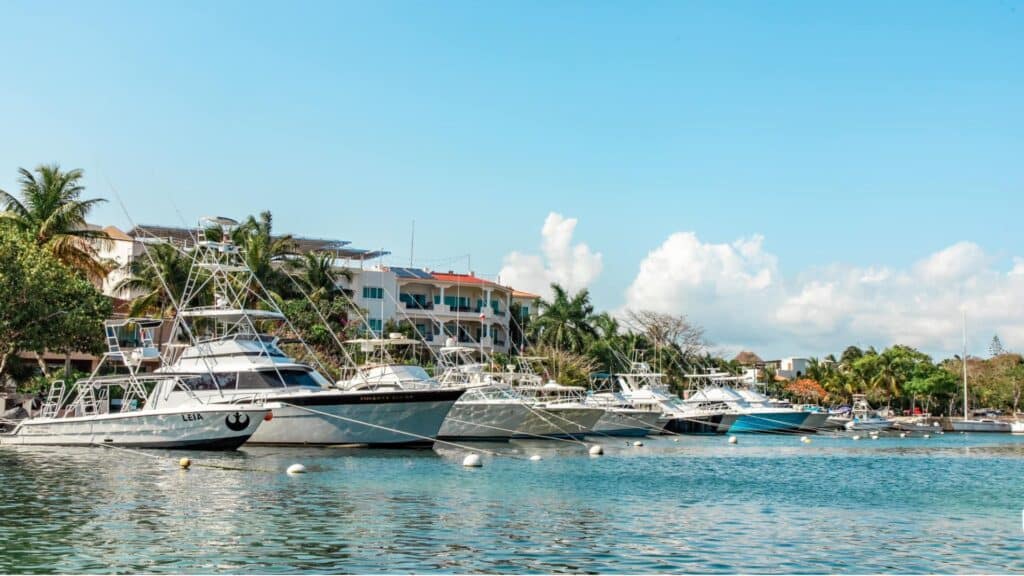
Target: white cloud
x,y
572,266
958,261
738,294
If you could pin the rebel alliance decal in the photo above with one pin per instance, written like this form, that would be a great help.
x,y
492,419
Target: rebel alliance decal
x,y
237,421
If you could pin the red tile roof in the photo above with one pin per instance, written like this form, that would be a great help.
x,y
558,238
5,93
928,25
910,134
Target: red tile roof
x,y
464,279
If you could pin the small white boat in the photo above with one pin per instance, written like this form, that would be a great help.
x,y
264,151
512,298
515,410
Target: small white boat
x,y
1017,427
865,418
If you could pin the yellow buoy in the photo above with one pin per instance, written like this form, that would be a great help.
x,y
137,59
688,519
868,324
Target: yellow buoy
x,y
184,463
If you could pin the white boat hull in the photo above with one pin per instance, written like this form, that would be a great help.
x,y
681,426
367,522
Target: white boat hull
x,y
204,427
485,420
868,424
626,422
559,422
816,421
988,426
408,418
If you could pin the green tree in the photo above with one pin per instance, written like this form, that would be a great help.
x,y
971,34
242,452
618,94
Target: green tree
x,y
52,212
45,304
318,276
564,323
162,268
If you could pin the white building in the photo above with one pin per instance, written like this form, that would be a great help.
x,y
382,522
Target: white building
x,y
441,306
792,368
465,308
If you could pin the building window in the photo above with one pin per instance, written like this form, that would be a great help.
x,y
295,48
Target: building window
x,y
373,292
376,325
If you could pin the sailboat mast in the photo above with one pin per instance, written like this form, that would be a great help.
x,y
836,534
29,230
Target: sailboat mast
x,y
964,358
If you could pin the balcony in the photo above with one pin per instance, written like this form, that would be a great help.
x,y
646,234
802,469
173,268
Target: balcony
x,y
417,305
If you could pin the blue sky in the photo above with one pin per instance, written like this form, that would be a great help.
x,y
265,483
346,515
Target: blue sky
x,y
850,136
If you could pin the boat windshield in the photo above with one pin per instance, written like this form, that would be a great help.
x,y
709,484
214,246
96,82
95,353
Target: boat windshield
x,y
269,379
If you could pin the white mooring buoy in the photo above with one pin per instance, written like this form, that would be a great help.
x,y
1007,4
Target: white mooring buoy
x,y
638,443
856,437
596,450
805,439
472,461
927,435
535,458
903,434
733,440
675,439
296,469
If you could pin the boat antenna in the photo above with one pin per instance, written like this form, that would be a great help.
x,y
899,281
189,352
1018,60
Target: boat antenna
x,y
412,243
963,318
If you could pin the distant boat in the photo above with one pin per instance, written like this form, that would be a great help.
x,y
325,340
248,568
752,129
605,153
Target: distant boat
x,y
864,417
969,424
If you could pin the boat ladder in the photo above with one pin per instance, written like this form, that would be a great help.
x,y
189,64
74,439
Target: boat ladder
x,y
53,400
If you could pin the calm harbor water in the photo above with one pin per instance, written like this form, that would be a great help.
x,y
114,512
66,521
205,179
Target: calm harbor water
x,y
769,504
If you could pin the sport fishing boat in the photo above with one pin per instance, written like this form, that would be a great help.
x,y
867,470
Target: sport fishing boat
x,y
486,411
645,389
564,407
492,408
235,361
756,413
866,418
151,412
621,417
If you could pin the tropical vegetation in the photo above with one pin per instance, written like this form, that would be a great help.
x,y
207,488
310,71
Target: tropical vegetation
x,y
52,213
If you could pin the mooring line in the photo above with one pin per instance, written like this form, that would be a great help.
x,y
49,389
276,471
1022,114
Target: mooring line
x,y
405,432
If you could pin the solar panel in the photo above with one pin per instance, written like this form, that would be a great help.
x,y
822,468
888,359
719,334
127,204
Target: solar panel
x,y
414,273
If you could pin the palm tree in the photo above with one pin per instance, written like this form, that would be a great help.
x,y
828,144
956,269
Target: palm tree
x,y
318,276
163,268
51,211
264,253
564,322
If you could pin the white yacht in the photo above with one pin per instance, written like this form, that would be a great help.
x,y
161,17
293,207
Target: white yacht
x,y
154,411
491,408
756,412
484,412
645,389
621,416
563,407
234,361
